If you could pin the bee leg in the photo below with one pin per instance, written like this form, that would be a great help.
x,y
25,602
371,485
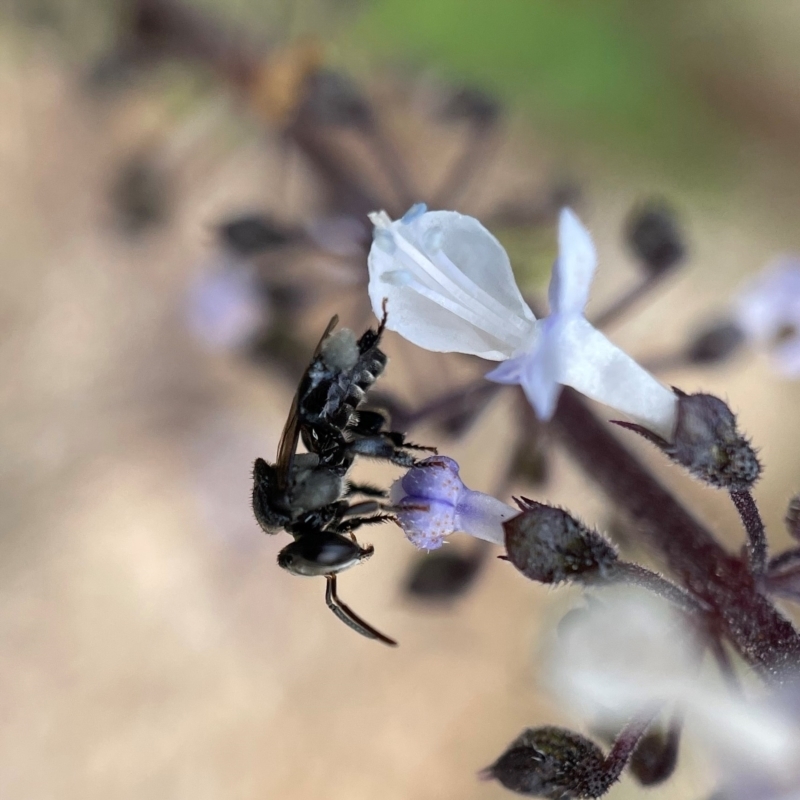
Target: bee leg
x,y
356,522
365,489
349,617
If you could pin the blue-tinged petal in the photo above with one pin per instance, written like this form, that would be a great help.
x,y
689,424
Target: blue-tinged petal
x,y
574,268
482,516
540,380
596,367
435,478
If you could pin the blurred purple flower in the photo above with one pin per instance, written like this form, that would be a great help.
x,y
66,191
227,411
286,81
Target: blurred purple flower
x,y
768,310
432,502
225,307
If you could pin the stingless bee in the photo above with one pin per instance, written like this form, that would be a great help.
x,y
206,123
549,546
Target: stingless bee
x,y
308,494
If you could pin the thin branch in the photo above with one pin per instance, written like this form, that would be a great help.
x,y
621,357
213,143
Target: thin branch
x,y
623,304
626,742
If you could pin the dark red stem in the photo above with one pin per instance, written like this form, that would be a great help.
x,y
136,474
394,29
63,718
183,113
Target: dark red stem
x,y
754,525
758,631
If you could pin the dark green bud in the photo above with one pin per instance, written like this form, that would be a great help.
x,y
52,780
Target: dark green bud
x,y
656,755
553,763
548,545
707,443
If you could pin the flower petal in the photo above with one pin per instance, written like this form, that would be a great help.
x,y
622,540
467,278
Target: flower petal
x,y
426,523
771,302
537,370
449,285
574,269
435,478
596,367
482,516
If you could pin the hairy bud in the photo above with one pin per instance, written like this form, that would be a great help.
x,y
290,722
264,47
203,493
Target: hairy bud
x,y
707,443
551,762
548,545
653,235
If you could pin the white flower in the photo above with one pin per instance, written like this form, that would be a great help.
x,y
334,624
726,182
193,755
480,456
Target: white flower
x,y
633,651
768,310
450,288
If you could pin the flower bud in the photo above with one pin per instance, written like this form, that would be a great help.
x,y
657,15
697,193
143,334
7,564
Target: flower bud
x,y
653,235
551,762
472,104
707,443
548,545
656,755
251,234
715,344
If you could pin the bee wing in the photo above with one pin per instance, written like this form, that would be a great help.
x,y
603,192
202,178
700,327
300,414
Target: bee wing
x,y
287,447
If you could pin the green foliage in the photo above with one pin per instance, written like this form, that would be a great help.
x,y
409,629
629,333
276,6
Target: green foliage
x,y
582,68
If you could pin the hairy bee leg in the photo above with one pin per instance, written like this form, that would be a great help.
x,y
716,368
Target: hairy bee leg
x,y
412,446
365,489
356,522
357,509
349,617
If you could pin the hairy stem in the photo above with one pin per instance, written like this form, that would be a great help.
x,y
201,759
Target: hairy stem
x,y
626,742
635,575
754,525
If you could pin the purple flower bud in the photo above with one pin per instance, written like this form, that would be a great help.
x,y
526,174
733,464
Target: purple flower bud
x,y
431,502
551,762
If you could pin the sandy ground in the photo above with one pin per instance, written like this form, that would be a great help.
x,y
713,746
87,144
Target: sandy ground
x,y
151,648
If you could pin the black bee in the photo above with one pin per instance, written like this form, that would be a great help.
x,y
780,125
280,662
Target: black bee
x,y
307,494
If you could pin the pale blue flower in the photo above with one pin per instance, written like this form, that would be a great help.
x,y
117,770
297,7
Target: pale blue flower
x,y
431,502
768,310
225,307
449,287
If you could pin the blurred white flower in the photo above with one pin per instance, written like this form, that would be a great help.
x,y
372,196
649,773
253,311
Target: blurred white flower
x,y
450,288
768,310
634,650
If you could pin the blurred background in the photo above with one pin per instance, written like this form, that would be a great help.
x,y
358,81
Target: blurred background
x,y
183,190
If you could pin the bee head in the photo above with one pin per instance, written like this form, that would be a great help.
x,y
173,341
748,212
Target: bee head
x,y
267,500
